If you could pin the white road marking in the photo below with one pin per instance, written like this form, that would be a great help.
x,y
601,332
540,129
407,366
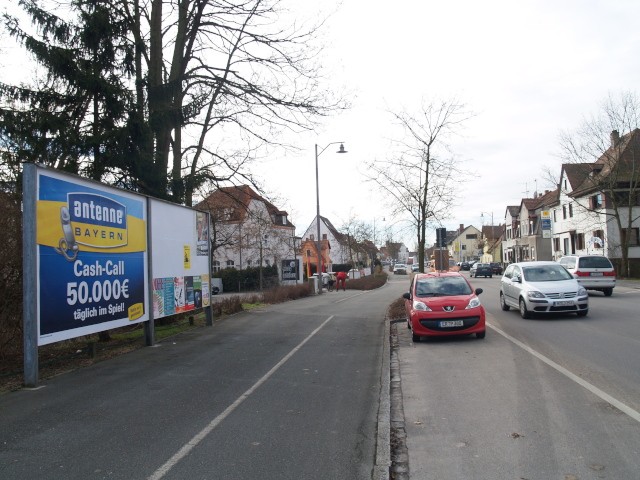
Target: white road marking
x,y
592,388
191,444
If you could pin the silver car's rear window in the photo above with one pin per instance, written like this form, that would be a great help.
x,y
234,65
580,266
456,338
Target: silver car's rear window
x,y
594,262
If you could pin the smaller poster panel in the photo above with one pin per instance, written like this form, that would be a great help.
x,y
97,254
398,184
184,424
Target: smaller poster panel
x,y
202,231
179,294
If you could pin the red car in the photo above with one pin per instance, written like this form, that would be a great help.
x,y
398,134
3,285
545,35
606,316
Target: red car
x,y
443,303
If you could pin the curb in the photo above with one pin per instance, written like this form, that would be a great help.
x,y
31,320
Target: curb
x,y
382,464
399,452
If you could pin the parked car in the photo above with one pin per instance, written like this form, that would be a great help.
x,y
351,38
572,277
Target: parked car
x,y
465,266
542,287
481,270
496,268
415,268
400,269
593,272
443,303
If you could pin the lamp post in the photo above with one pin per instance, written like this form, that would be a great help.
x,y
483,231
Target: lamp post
x,y
319,240
296,242
482,217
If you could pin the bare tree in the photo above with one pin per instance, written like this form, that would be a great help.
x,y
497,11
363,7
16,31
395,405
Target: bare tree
x,y
417,180
234,68
609,163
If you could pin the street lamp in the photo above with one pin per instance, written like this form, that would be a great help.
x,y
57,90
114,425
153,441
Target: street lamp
x,y
482,217
318,241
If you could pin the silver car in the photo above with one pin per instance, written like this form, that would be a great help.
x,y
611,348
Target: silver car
x,y
542,287
593,272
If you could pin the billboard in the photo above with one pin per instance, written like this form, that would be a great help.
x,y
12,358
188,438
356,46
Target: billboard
x,y
91,257
179,239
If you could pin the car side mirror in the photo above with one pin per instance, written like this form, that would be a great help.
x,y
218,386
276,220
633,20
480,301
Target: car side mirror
x,y
407,296
479,291
517,278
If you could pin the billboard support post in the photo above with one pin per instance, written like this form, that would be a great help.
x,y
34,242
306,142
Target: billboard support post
x,y
150,325
29,281
208,311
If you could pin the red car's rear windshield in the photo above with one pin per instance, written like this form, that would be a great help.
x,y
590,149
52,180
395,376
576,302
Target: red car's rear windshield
x,y
442,286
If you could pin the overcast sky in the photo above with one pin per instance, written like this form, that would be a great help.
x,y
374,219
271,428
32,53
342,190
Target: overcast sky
x,y
528,69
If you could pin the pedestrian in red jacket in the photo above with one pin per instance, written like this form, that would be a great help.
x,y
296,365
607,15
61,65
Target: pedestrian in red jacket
x,y
342,280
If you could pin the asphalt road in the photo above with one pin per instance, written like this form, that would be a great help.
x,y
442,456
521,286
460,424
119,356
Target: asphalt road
x,y
293,391
547,398
288,392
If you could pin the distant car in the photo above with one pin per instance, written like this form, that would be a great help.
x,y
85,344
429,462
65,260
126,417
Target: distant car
x,y
593,272
481,270
415,268
400,269
443,303
465,266
542,287
496,268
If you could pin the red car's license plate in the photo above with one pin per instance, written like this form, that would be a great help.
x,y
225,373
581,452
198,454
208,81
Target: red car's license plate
x,y
451,323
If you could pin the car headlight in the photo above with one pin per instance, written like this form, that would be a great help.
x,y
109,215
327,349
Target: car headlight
x,y
582,292
535,294
475,302
421,306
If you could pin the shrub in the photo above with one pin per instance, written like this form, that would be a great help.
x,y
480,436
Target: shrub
x,y
285,293
11,276
247,279
369,282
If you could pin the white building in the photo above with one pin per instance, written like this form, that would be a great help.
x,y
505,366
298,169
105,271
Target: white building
x,y
599,205
248,231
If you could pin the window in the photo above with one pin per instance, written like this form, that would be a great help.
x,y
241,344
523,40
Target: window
x,y
531,230
595,201
579,241
464,247
564,212
216,266
472,236
249,263
556,244
555,215
600,235
231,264
632,235
571,210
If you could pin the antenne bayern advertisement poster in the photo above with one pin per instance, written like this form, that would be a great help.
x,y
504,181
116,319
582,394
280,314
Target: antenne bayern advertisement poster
x,y
92,257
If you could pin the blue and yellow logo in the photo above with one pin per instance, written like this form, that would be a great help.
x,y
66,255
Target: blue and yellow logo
x,y
97,221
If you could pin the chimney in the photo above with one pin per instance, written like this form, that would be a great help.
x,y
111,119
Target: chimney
x,y
615,138
462,227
